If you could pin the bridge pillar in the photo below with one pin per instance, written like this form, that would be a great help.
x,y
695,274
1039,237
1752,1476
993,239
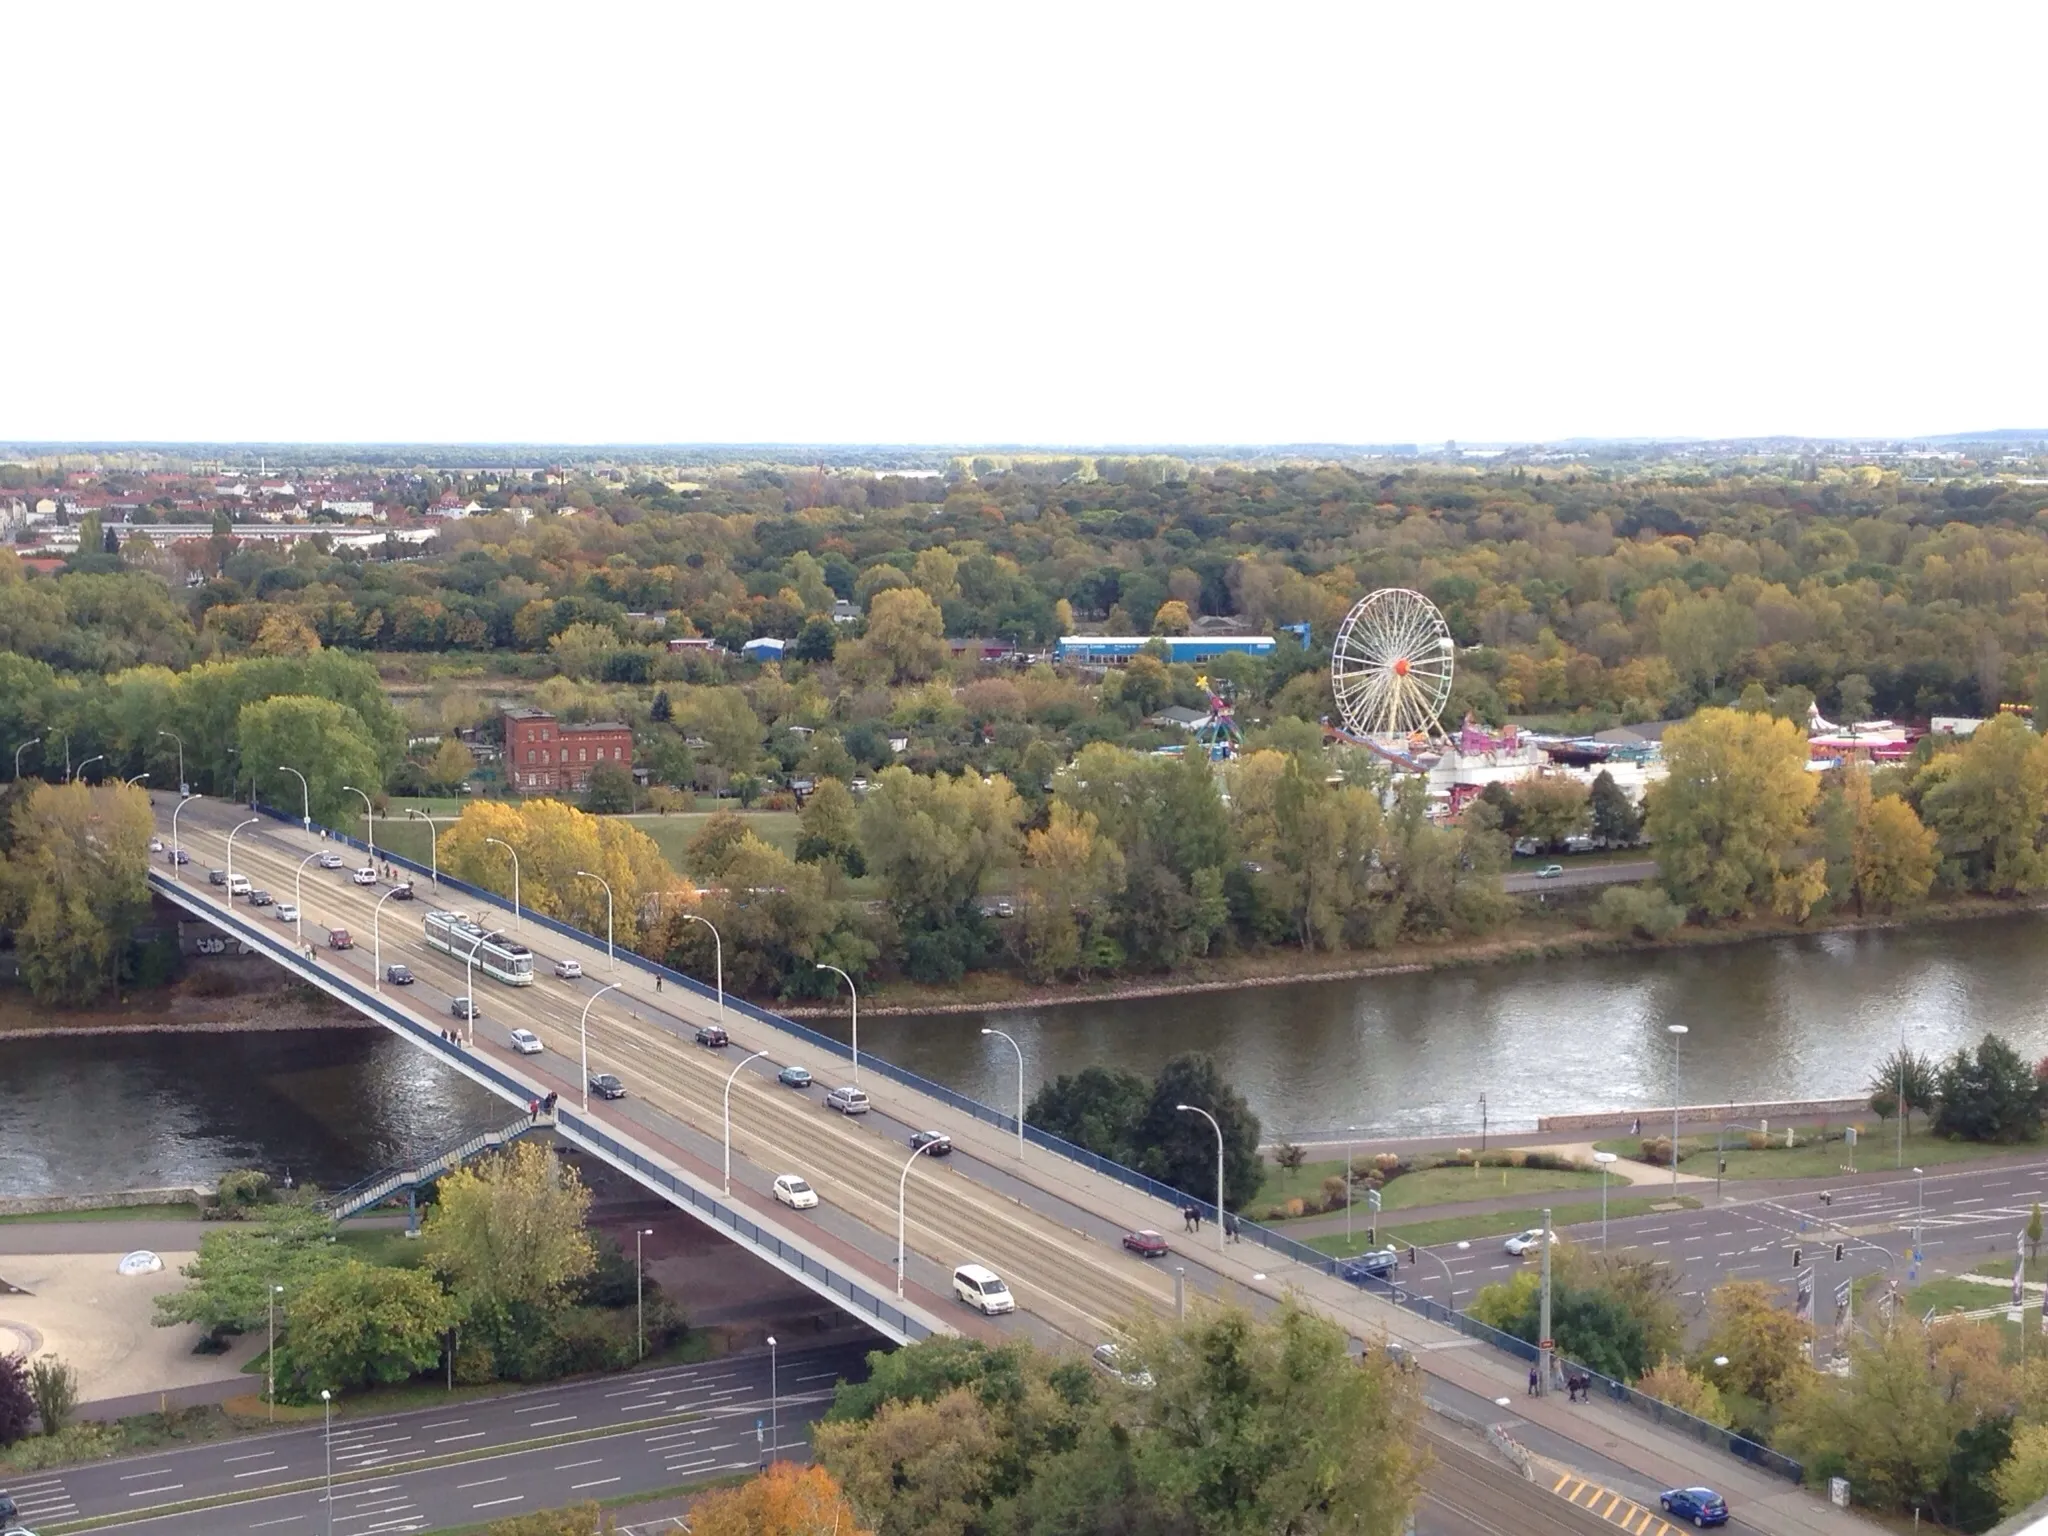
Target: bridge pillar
x,y
412,1211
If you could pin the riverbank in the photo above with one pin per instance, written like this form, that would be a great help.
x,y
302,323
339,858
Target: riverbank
x,y
1534,937
214,999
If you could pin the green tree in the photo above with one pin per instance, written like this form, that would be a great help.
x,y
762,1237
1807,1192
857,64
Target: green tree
x,y
75,884
1729,820
1669,1381
610,790
328,742
508,1231
730,728
817,641
933,841
829,827
360,1324
1763,1343
905,634
1642,910
1985,802
1903,1070
54,1386
1179,1148
2022,1478
1892,854
1991,1094
1097,1108
916,1468
712,849
230,1280
1551,808
452,765
1070,873
1616,821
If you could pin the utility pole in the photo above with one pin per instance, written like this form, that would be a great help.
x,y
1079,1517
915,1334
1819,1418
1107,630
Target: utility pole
x,y
1544,1346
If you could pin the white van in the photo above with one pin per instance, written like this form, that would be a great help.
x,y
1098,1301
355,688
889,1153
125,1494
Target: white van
x,y
983,1289
238,885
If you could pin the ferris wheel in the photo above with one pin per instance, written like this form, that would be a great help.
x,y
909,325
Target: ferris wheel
x,y
1391,665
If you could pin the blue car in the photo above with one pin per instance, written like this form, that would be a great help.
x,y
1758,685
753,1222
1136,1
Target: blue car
x,y
1379,1264
1702,1506
794,1077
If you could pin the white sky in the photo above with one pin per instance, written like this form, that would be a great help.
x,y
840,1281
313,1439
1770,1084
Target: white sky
x,y
1089,223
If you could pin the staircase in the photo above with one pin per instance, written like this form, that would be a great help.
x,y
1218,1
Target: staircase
x,y
380,1187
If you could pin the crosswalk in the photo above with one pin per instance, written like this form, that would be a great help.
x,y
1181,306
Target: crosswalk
x,y
43,1499
1605,1504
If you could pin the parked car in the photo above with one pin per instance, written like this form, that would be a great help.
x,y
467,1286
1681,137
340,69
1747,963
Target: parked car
x,y
1527,1242
526,1042
464,1008
1146,1243
941,1145
607,1086
287,913
330,860
794,1077
983,1289
712,1035
1550,872
1377,1264
1702,1506
340,938
847,1099
793,1192
569,970
1111,1358
402,892
367,875
398,975
259,898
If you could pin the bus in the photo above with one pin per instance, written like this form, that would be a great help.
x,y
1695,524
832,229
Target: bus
x,y
495,955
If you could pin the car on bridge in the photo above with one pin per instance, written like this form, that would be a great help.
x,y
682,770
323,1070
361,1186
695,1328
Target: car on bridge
x,y
340,938
259,898
464,1008
1146,1244
180,856
983,1289
330,860
607,1086
794,1077
1377,1264
793,1192
1115,1361
847,1099
286,912
367,875
712,1035
398,975
402,892
526,1042
569,970
216,877
936,1142
1702,1506
156,845
1528,1242
238,885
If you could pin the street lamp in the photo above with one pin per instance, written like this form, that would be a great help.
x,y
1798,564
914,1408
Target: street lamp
x,y
31,742
230,888
327,1402
137,779
902,1199
1196,1109
377,939
270,1359
609,953
469,985
1349,1132
640,1287
1020,1088
181,757
1450,1279
730,1079
774,1404
1901,1105
1678,1033
514,852
718,959
305,795
433,843
298,887
1919,1204
369,821
97,757
583,1028
1605,1160
850,987
177,867
1482,1122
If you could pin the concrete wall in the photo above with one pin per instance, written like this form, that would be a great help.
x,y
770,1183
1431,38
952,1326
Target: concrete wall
x,y
44,1205
1659,1119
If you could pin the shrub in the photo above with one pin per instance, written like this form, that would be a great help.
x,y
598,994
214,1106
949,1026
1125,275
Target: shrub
x,y
1289,1156
54,1386
17,1407
475,1365
1657,1151
1388,1163
1334,1191
1556,1162
1758,1141
67,1447
1670,1382
1643,912
1292,1209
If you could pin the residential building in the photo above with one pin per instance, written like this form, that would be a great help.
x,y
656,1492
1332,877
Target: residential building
x,y
544,755
1117,650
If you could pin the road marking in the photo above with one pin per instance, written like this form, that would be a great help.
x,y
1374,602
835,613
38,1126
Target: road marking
x,y
567,1418
287,1520
691,1466
252,1456
601,1482
537,1407
129,1477
570,1466
264,1471
444,1423
485,1483
494,1503
474,1434
821,1376
143,1493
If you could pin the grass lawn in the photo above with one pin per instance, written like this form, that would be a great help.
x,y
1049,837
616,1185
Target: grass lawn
x,y
386,1246
1875,1152
1451,1229
186,1212
1427,1186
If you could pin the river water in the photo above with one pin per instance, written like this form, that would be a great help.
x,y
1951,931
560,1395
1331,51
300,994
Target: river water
x,y
1783,1019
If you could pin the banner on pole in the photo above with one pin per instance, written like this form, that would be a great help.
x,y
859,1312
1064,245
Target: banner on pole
x,y
1803,1307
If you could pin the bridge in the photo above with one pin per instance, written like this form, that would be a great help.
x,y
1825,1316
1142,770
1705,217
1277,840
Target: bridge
x,y
409,1181
1047,1217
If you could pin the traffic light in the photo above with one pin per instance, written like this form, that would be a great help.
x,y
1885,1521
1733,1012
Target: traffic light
x,y
1841,1251
1797,1254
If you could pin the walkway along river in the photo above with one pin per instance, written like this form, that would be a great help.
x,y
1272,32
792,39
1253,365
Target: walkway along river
x,y
1776,1019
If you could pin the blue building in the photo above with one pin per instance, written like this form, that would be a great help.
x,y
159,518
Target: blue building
x,y
765,649
1116,650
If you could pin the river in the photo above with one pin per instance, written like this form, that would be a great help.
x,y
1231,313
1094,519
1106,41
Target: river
x,y
1779,1019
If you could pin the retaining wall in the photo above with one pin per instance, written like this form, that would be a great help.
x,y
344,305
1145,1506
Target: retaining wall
x,y
1702,1114
46,1205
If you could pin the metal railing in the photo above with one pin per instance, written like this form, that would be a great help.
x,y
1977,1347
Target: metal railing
x,y
381,1186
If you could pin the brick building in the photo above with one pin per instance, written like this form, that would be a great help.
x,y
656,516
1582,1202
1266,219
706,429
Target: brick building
x,y
544,755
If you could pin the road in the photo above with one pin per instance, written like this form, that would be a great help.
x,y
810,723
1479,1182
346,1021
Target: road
x,y
686,1422
1580,875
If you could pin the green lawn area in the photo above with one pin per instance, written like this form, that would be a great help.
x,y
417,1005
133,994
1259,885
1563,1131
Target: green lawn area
x,y
1427,1186
1876,1151
1451,1229
387,1246
186,1212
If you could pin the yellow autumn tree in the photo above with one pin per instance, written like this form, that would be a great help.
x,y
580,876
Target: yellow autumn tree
x,y
786,1500
554,841
1070,872
1730,818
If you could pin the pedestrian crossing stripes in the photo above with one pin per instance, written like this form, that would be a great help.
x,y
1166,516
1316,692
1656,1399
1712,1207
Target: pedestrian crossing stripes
x,y
1614,1508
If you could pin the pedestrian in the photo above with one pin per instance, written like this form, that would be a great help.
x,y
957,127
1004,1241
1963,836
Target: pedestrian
x,y
1187,1218
1198,1221
657,983
1635,1126
1534,1380
1411,1253
533,1109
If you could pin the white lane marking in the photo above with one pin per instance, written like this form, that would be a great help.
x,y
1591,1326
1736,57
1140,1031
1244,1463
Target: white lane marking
x,y
129,1477
821,1376
444,1423
143,1493
485,1483
567,1418
570,1466
494,1503
474,1434
265,1471
287,1520
599,1483
252,1456
537,1407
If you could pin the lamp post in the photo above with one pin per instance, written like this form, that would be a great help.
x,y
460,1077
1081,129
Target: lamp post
x,y
514,853
774,1404
181,757
97,757
1901,1105
855,991
305,795
609,953
433,843
1349,1132
270,1359
1919,1204
327,1402
731,1078
137,779
640,1288
902,1201
31,742
230,887
1196,1109
369,821
469,987
1450,1279
718,960
1482,1122
177,866
298,884
583,1029
1020,1087
1678,1033
377,939
1605,1160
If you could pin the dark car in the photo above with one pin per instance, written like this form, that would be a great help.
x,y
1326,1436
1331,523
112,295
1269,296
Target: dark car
x,y
941,1145
216,877
180,856
607,1086
712,1035
1702,1506
8,1511
1376,1265
402,892
794,1077
464,1008
1146,1244
260,898
398,975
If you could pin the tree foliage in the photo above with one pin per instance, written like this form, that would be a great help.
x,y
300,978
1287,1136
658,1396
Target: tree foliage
x,y
328,742
1989,1094
554,841
17,1403
785,1500
1729,819
359,1324
508,1231
1985,802
1179,1148
74,885
230,1280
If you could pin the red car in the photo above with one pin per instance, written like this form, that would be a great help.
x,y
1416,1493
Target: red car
x,y
1146,1244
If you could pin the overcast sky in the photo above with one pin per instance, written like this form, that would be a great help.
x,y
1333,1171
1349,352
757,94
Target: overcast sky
x,y
1097,223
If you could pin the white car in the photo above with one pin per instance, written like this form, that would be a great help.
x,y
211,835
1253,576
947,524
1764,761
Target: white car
x,y
330,860
367,875
286,912
983,1289
1528,1242
156,845
526,1042
793,1192
569,970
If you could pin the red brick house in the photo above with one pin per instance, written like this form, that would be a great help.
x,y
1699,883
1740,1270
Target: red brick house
x,y
544,755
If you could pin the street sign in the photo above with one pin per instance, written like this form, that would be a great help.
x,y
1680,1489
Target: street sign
x,y
1372,1199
